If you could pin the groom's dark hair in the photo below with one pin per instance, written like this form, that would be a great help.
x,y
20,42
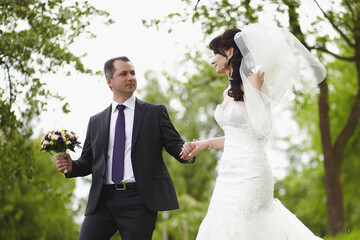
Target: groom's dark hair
x,y
109,65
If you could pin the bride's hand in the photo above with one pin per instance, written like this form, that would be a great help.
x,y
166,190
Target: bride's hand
x,y
189,150
257,79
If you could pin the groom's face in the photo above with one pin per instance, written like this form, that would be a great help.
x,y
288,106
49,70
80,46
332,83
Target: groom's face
x,y
123,81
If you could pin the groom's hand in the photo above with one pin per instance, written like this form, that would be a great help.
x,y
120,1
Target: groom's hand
x,y
63,162
188,151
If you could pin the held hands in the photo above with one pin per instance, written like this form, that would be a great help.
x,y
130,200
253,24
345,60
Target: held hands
x,y
189,150
257,79
63,162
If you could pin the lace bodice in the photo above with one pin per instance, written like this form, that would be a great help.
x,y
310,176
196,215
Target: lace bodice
x,y
233,116
243,166
242,204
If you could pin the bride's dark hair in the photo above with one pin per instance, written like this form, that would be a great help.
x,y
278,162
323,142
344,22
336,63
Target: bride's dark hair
x,y
221,44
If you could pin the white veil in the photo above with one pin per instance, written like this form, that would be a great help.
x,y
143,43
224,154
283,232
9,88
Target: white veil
x,y
285,62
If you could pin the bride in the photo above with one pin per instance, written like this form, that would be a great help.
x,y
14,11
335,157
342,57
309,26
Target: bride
x,y
262,63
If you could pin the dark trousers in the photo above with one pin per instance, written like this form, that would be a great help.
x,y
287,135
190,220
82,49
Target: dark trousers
x,y
122,211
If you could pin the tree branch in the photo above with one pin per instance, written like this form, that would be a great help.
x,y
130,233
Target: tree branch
x,y
196,5
11,94
350,10
322,49
294,24
349,127
335,26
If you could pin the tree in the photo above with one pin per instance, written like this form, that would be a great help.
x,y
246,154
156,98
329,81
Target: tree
x,y
34,39
346,23
35,36
343,18
37,202
348,27
343,88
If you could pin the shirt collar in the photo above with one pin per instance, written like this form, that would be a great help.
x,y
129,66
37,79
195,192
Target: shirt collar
x,y
129,103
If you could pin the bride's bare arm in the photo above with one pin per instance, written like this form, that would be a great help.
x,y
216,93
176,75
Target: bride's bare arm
x,y
257,79
211,143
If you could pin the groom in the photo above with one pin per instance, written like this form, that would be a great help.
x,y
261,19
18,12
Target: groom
x,y
123,152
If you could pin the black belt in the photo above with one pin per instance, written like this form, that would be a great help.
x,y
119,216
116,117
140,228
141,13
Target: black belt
x,y
121,186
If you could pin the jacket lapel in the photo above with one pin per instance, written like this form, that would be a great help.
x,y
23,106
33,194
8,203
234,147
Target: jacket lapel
x,y
105,129
140,108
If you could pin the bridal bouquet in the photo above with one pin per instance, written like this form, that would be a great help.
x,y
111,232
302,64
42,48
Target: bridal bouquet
x,y
59,141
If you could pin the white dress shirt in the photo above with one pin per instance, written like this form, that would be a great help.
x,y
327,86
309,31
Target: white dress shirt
x,y
129,121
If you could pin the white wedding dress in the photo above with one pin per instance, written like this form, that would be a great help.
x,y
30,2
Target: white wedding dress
x,y
242,205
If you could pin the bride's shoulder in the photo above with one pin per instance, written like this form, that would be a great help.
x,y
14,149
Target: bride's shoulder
x,y
225,93
226,101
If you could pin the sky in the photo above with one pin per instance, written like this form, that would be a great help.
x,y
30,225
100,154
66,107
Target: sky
x,y
147,48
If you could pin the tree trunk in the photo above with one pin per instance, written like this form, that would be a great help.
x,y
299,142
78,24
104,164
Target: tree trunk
x,y
334,197
332,167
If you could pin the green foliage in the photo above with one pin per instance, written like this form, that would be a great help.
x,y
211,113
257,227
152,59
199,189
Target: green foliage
x,y
35,36
214,16
303,193
342,93
34,198
34,39
350,180
40,32
352,235
183,222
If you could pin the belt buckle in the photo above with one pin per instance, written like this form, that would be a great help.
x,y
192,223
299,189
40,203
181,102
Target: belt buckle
x,y
120,187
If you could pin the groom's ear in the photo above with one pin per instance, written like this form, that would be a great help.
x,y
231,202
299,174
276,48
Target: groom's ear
x,y
109,82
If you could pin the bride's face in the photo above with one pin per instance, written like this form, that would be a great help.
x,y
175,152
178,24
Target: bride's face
x,y
219,62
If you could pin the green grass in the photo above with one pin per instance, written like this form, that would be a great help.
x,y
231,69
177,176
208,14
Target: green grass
x,y
353,235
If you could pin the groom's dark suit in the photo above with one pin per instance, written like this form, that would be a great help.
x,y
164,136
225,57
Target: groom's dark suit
x,y
152,131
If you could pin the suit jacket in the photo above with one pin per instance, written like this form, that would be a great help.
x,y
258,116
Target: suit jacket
x,y
152,131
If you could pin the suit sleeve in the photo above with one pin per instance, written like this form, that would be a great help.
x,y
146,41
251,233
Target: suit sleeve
x,y
172,141
83,166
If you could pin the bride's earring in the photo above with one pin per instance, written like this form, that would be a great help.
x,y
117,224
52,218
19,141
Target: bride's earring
x,y
227,63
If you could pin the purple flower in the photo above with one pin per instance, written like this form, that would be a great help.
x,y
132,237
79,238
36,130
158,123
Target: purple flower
x,y
47,138
59,141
